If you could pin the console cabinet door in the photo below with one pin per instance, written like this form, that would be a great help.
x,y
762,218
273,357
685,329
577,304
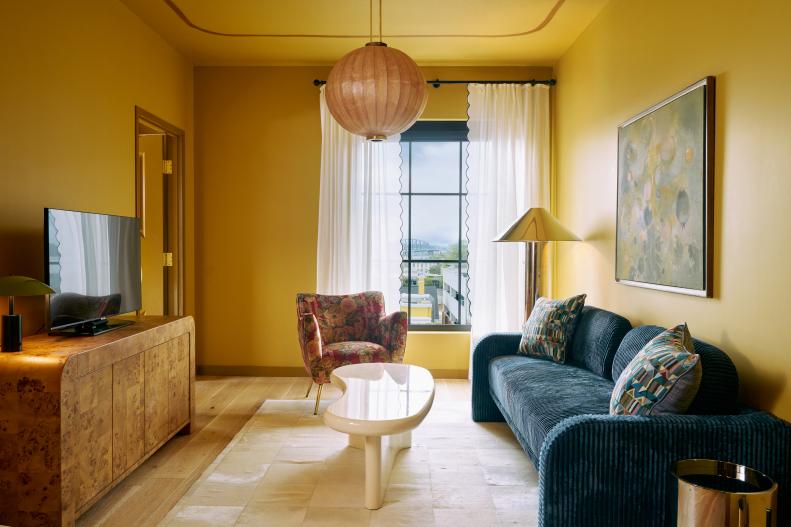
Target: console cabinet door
x,y
179,382
157,394
95,435
129,442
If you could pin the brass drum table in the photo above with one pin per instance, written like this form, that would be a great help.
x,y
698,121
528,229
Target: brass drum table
x,y
381,403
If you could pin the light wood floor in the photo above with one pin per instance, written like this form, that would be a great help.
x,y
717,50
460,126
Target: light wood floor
x,y
224,405
453,463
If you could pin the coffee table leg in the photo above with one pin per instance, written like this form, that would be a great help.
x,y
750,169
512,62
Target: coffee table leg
x,y
400,441
374,493
379,464
356,441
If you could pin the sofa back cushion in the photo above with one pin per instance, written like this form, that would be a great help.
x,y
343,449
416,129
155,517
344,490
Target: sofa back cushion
x,y
719,384
596,339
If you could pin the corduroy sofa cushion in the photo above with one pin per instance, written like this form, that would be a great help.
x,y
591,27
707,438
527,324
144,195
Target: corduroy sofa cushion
x,y
719,384
537,394
596,340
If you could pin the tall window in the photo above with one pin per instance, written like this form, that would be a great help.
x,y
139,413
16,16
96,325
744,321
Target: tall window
x,y
434,277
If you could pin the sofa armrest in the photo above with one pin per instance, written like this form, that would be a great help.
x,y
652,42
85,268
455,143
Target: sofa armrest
x,y
392,333
489,347
615,470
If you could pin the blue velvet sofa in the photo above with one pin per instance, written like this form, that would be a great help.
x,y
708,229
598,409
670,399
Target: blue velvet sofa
x,y
601,470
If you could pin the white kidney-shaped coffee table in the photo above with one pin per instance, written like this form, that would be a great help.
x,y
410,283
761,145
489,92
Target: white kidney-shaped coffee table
x,y
380,402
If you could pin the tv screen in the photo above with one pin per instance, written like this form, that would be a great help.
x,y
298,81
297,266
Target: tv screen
x,y
93,264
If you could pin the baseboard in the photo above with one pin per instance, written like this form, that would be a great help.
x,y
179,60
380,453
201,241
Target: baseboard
x,y
448,374
251,371
294,371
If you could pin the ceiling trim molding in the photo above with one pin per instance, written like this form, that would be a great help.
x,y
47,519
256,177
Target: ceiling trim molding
x,y
547,19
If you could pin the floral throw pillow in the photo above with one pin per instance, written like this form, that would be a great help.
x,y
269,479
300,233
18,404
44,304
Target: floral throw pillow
x,y
550,328
663,378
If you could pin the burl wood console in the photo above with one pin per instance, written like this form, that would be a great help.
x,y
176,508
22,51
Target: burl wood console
x,y
78,414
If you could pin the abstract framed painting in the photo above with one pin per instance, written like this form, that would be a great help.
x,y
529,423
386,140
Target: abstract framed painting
x,y
665,206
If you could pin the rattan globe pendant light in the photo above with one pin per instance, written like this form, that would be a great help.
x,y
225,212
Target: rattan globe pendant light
x,y
376,91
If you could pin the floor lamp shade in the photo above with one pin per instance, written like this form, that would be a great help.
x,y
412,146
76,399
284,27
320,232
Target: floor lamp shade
x,y
535,226
12,286
376,91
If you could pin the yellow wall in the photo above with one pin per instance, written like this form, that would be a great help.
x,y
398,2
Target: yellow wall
x,y
258,140
447,354
635,54
72,73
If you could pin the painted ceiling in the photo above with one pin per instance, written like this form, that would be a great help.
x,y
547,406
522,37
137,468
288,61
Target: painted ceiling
x,y
318,32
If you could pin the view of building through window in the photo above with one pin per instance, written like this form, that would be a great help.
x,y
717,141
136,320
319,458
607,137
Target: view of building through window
x,y
434,277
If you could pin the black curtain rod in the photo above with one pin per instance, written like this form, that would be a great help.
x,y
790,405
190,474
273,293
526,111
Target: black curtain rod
x,y
436,82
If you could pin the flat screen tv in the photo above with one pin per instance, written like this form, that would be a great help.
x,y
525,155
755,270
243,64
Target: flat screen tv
x,y
92,261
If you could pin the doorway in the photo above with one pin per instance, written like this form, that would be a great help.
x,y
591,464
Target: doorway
x,y
159,207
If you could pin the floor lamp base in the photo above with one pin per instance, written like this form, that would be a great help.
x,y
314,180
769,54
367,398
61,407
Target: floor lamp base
x,y
532,275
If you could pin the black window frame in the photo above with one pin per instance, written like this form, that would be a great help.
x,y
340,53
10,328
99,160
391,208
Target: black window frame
x,y
445,132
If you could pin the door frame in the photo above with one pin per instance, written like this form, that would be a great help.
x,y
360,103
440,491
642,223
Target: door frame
x,y
174,284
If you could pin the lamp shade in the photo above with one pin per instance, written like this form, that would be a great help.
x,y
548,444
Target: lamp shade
x,y
536,225
23,286
376,91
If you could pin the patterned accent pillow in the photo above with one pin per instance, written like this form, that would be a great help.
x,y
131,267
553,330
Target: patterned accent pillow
x,y
663,378
550,328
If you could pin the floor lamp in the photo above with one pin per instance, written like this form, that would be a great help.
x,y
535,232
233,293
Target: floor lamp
x,y
533,228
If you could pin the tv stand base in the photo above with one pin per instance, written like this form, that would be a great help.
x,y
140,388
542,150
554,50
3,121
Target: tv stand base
x,y
94,328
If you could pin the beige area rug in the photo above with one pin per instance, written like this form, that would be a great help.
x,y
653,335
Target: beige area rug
x,y
286,468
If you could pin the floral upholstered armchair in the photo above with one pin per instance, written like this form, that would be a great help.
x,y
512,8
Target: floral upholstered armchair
x,y
347,329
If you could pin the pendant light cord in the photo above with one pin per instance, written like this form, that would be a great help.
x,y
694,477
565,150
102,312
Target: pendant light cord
x,y
371,21
380,20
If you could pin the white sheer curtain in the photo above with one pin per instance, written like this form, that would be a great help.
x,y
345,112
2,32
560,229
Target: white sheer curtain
x,y
359,242
508,173
84,253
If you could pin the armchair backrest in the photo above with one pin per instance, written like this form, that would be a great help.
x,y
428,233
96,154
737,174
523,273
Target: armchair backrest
x,y
343,318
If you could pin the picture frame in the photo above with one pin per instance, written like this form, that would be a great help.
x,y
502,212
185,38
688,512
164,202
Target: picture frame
x,y
665,194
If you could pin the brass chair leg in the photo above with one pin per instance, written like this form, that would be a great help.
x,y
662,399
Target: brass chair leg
x,y
309,387
318,398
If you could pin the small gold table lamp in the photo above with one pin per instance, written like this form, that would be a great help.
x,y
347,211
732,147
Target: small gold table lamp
x,y
12,286
535,226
